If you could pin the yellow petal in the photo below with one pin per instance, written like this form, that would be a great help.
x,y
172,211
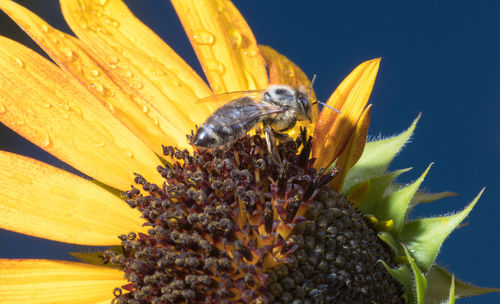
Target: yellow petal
x,y
283,71
136,113
351,96
39,101
138,61
353,150
43,201
224,44
45,281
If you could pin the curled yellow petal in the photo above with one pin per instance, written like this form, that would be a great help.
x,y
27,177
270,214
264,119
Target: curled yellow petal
x,y
138,61
56,282
43,201
334,130
136,113
43,104
283,71
224,44
353,150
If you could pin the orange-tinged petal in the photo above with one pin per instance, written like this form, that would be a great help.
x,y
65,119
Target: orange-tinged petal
x,y
46,281
224,44
42,103
283,71
351,96
138,61
47,202
353,150
144,121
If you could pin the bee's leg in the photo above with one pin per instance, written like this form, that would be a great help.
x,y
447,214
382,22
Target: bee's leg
x,y
271,145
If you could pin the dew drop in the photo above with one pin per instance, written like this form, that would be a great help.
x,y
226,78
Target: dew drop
x,y
136,85
203,37
129,153
236,37
45,28
45,142
94,73
127,74
156,121
46,105
215,66
100,144
3,110
112,66
84,26
251,52
19,62
176,83
145,109
111,108
68,53
54,40
101,2
66,116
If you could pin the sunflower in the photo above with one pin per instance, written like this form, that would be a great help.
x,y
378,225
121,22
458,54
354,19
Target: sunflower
x,y
315,219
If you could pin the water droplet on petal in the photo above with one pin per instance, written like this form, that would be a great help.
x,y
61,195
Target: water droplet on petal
x,y
46,105
112,66
203,37
251,52
127,74
236,37
129,153
94,73
66,116
156,121
101,2
136,85
100,144
3,109
45,28
45,141
19,62
215,66
145,109
84,26
68,53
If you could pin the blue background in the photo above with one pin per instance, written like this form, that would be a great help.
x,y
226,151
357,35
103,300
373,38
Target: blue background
x,y
441,58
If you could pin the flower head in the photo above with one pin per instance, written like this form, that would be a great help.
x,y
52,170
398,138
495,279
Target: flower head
x,y
313,219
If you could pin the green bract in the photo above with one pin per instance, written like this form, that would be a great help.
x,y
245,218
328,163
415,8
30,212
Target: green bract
x,y
415,243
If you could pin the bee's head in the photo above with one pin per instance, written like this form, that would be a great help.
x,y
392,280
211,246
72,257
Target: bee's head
x,y
295,100
304,106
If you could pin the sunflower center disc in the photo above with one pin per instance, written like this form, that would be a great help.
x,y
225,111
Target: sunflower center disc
x,y
235,225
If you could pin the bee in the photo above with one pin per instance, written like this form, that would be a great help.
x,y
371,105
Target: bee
x,y
278,108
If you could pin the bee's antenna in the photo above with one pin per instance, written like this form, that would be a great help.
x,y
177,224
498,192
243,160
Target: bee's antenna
x,y
324,104
312,83
317,101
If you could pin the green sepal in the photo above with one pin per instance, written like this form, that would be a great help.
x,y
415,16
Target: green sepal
x,y
377,188
422,197
376,157
424,237
394,206
403,275
389,240
420,282
95,257
439,282
451,296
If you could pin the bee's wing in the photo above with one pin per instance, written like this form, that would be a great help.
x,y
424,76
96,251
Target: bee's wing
x,y
224,98
245,110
